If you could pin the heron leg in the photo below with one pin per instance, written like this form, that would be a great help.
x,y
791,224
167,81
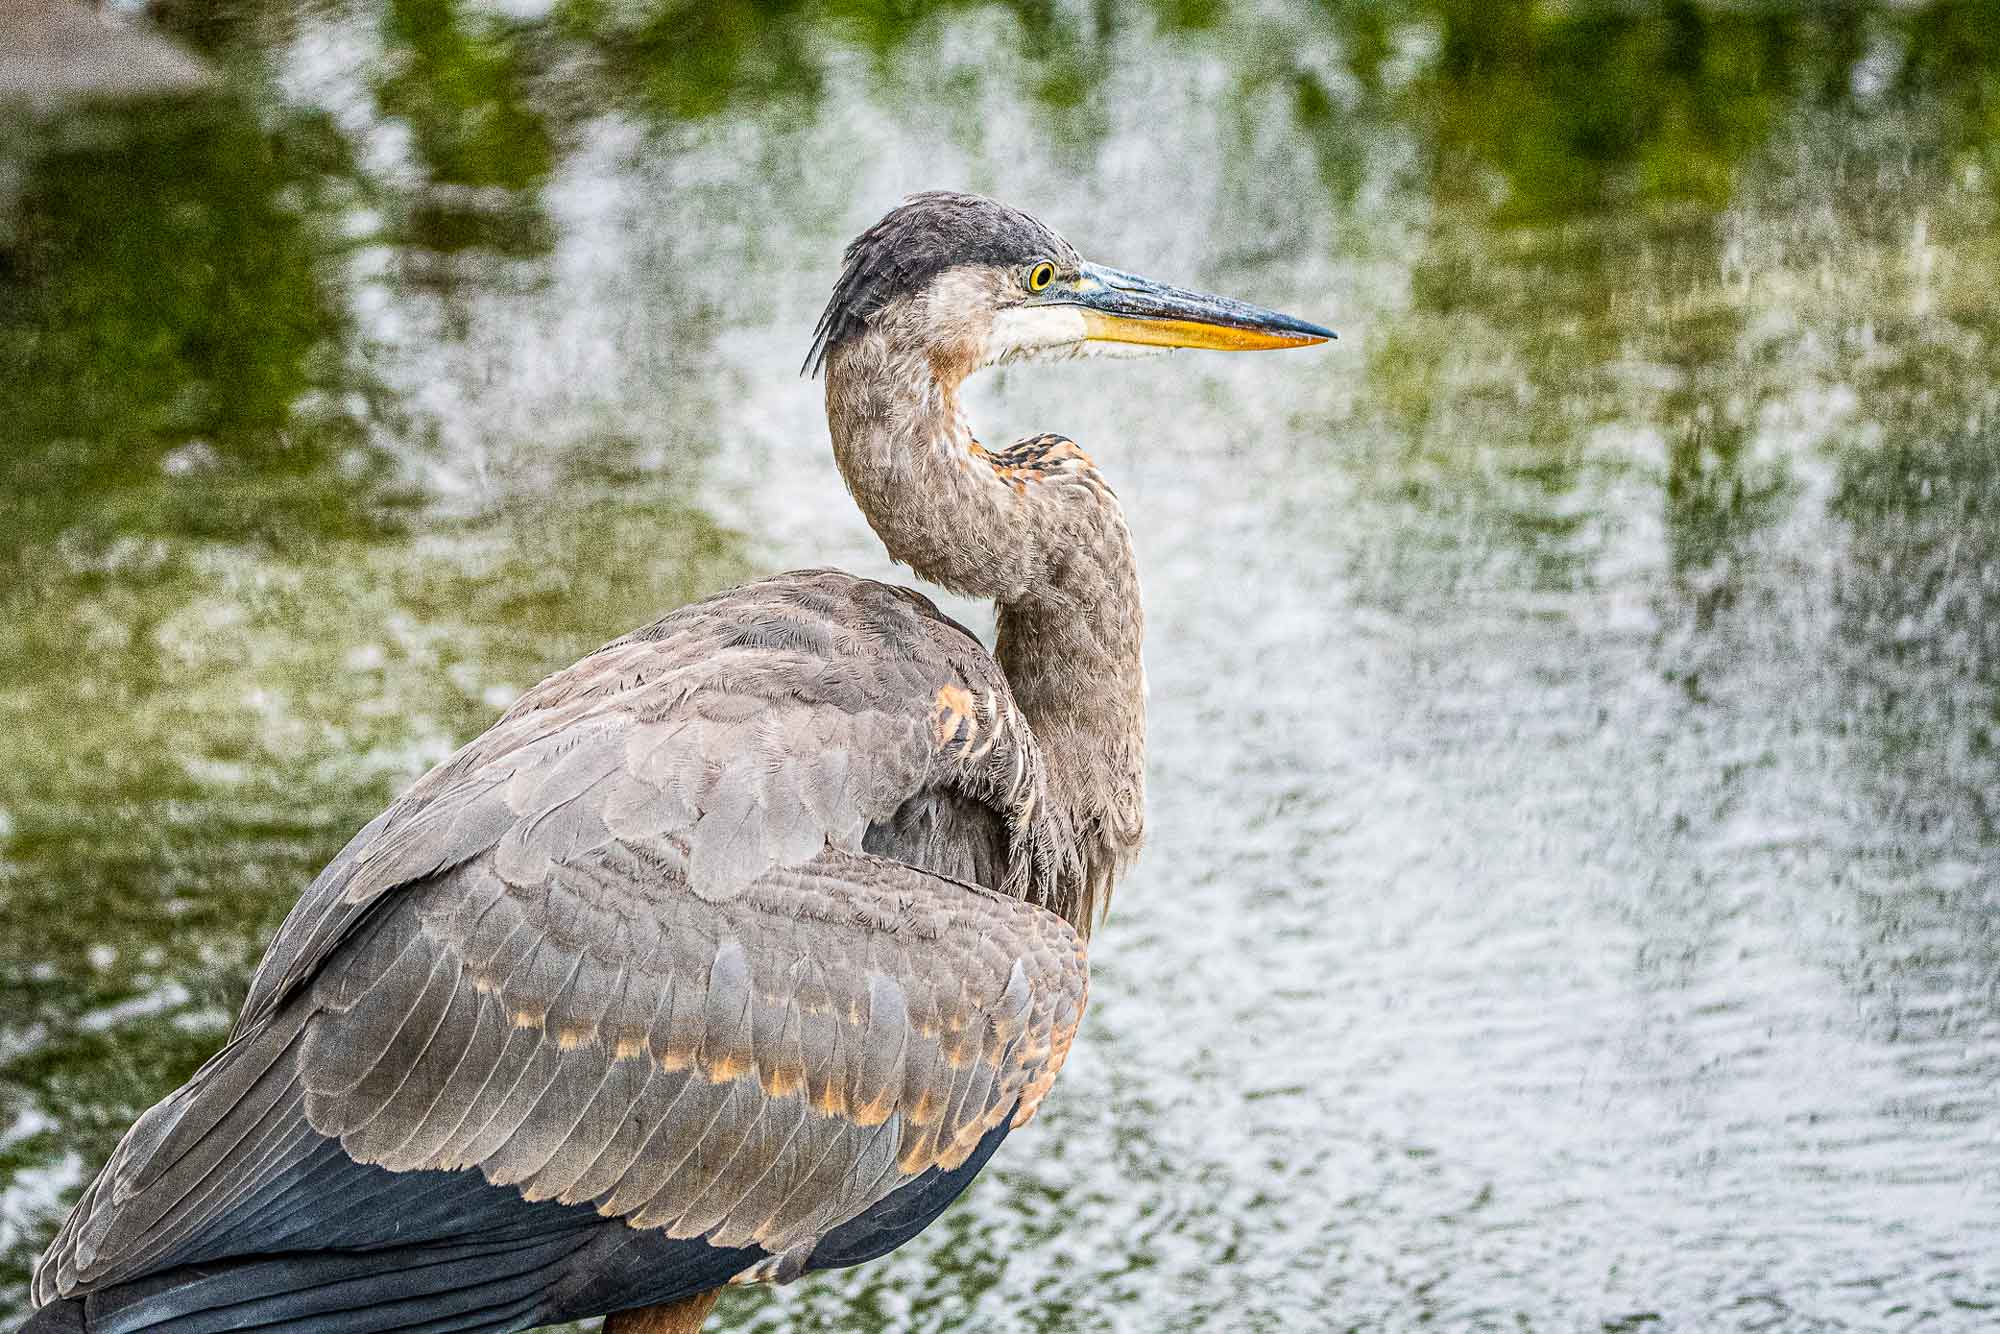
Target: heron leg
x,y
681,1317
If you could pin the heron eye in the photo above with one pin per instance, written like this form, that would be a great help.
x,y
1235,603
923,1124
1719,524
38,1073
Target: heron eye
x,y
1041,276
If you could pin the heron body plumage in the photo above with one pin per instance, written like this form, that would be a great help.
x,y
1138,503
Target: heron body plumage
x,y
588,962
729,953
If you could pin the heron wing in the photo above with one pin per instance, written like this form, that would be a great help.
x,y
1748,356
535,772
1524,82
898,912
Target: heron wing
x,y
755,727
624,952
753,1071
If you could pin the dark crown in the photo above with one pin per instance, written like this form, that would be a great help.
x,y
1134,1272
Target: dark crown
x,y
915,242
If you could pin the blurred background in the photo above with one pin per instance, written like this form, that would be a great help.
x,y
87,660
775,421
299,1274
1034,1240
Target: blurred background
x,y
1574,894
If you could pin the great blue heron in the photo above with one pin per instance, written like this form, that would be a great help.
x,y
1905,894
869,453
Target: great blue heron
x,y
733,951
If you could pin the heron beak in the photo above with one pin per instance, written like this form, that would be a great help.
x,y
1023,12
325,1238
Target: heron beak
x,y
1122,307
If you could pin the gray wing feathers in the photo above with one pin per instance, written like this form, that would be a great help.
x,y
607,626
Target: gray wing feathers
x,y
729,756
853,1018
626,949
184,1160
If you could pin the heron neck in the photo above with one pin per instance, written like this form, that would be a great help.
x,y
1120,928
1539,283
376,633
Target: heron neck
x,y
1049,545
1075,668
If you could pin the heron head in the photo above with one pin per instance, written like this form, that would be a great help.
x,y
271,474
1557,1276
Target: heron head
x,y
976,283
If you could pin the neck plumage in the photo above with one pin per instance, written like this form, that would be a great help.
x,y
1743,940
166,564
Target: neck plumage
x,y
1035,529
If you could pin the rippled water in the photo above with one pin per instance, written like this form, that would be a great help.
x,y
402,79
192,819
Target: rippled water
x,y
1574,893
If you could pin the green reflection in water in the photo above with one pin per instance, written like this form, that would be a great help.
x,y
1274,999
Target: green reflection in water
x,y
174,349
1917,615
1586,106
459,84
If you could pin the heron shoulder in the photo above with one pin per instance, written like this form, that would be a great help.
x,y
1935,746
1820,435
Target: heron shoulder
x,y
820,664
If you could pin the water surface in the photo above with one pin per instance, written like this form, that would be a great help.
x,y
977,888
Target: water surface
x,y
1573,899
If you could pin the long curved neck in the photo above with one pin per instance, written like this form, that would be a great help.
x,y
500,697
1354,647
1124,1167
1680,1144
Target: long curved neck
x,y
1036,530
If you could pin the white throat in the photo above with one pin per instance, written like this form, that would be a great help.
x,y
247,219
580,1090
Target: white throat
x,y
1048,333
